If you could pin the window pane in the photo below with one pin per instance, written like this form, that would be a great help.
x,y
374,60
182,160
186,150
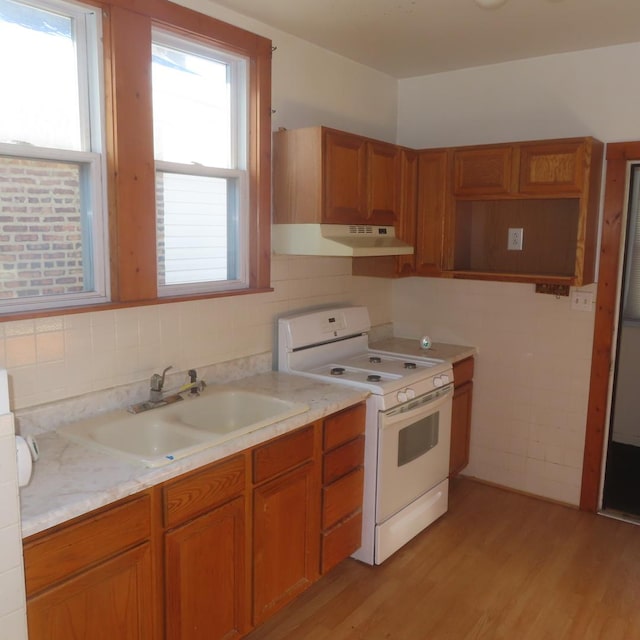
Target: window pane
x,y
196,241
42,107
191,108
44,233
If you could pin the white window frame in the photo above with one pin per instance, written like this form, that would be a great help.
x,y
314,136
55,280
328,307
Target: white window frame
x,y
239,66
88,39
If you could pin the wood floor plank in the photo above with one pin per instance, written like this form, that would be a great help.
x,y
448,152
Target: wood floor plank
x,y
497,566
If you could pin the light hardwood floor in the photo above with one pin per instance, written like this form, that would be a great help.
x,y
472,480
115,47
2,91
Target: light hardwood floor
x,y
498,565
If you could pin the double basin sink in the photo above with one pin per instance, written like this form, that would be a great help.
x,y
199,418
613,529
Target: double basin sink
x,y
159,436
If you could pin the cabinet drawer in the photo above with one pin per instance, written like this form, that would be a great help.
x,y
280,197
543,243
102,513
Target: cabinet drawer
x,y
200,491
340,461
341,541
50,557
282,454
463,371
343,426
342,497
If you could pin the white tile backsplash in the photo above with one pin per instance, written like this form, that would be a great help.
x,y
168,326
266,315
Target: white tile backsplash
x,y
531,379
13,622
56,358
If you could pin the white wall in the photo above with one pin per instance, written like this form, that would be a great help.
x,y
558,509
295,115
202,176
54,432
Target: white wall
x,y
532,376
575,94
312,86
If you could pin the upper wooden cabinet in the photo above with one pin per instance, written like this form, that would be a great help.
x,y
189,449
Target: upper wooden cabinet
x,y
481,171
548,190
407,227
431,209
555,167
321,175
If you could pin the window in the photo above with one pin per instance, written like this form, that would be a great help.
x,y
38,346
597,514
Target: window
x,y
158,131
200,144
52,227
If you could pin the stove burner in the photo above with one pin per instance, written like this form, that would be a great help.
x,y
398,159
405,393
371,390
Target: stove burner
x,y
374,377
375,359
410,365
337,371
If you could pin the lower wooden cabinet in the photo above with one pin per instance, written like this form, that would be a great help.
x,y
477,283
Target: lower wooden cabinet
x,y
109,601
205,576
286,506
207,555
461,415
343,485
205,552
92,579
285,546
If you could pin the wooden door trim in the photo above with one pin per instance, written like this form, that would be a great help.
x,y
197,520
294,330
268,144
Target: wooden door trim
x,y
615,202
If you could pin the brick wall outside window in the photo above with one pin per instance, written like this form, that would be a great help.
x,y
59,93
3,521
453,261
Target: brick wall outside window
x,y
40,228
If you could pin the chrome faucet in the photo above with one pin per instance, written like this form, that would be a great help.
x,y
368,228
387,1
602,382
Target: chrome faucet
x,y
157,397
157,384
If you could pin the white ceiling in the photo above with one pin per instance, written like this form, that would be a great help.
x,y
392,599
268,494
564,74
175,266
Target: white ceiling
x,y
406,38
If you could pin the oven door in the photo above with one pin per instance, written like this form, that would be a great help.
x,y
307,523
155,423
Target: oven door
x,y
413,451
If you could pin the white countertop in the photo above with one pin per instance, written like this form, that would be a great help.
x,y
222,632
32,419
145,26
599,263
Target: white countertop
x,y
411,347
70,480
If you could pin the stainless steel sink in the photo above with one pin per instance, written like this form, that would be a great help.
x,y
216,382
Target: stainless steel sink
x,y
159,436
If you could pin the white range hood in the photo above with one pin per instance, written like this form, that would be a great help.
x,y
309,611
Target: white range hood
x,y
337,240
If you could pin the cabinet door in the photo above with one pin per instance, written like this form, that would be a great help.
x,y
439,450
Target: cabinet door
x,y
482,171
112,600
383,174
345,178
460,428
406,226
205,576
286,532
552,168
432,178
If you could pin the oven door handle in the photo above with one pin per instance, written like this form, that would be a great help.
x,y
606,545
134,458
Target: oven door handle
x,y
426,404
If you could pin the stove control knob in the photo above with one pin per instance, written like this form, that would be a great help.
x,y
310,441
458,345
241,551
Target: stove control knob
x,y
402,396
411,394
438,382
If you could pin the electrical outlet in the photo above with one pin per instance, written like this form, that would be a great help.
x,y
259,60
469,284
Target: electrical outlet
x,y
514,239
581,300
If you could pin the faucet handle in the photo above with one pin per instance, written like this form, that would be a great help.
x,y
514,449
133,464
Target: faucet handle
x,y
157,380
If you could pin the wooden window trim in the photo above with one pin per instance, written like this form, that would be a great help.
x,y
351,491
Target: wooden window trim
x,y
129,148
